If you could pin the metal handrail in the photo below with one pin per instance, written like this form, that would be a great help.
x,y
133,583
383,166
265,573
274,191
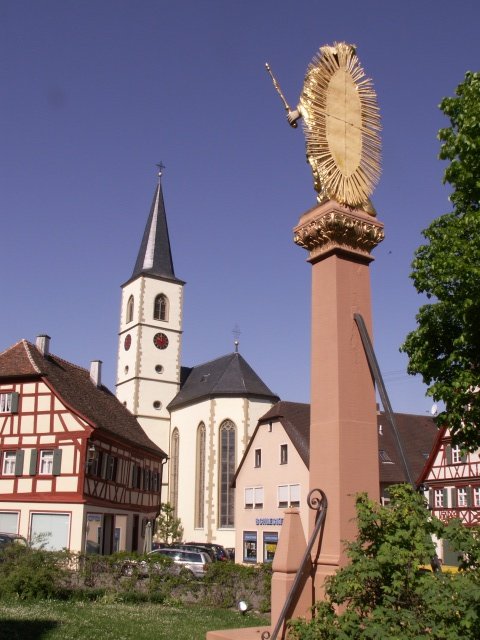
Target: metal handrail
x,y
320,504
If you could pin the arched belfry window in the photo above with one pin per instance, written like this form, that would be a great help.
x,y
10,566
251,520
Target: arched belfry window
x,y
174,458
200,477
130,305
226,472
160,307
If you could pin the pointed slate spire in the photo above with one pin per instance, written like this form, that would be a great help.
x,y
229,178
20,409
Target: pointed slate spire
x,y
155,255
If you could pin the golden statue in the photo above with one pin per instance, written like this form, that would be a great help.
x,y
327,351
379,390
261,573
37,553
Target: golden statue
x,y
341,122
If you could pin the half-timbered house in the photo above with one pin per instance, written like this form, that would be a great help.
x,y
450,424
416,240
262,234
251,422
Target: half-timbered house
x,y
77,470
452,482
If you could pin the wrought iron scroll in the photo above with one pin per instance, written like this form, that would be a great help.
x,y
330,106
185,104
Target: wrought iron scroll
x,y
375,369
316,500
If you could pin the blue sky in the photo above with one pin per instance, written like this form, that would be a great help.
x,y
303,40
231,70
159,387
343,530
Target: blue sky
x,y
94,93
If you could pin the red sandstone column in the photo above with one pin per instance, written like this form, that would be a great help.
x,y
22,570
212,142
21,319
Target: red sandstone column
x,y
343,431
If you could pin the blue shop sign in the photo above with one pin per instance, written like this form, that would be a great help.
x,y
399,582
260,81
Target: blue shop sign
x,y
269,522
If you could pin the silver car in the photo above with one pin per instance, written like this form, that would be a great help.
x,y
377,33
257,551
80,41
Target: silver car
x,y
194,561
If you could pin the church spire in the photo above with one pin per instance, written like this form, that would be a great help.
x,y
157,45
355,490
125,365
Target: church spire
x,y
155,255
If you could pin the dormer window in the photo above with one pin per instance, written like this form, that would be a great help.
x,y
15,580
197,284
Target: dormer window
x,y
9,402
160,308
130,306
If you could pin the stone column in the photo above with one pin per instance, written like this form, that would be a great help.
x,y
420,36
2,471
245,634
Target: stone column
x,y
343,431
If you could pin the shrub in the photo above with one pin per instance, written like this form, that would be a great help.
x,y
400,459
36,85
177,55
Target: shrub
x,y
226,583
383,594
28,573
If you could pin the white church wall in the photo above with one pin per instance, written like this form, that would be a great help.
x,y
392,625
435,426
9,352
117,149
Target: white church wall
x,y
213,413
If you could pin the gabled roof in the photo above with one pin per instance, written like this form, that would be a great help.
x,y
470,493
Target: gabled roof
x,y
155,255
443,435
417,434
101,409
229,376
295,419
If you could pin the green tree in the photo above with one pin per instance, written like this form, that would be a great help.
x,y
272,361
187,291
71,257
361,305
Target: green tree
x,y
445,346
383,594
168,528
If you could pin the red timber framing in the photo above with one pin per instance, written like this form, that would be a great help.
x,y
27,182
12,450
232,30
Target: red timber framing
x,y
98,471
75,464
453,481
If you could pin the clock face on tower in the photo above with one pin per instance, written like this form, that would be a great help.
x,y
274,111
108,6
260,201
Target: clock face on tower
x,y
160,340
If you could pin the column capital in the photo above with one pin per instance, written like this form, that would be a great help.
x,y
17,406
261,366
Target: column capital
x,y
332,227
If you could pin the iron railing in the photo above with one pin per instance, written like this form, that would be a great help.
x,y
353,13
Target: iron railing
x,y
316,500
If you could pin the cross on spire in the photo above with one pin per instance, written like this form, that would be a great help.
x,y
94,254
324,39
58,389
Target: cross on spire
x,y
161,167
236,334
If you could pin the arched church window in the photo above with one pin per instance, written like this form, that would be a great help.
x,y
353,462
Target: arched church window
x,y
200,477
130,309
226,472
174,458
160,307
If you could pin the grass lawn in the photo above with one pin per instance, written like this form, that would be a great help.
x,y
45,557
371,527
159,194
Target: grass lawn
x,y
47,620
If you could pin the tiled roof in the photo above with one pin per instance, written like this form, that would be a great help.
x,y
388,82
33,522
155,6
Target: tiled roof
x,y
97,405
417,435
229,375
295,419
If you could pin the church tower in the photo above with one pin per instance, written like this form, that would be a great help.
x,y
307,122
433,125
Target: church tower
x,y
148,367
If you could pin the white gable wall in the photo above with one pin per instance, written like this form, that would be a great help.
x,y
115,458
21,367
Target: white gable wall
x,y
269,476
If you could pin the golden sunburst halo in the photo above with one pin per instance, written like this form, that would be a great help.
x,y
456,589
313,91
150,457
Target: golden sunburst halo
x,y
341,120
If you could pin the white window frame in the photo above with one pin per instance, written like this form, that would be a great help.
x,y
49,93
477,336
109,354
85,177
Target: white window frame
x,y
290,494
6,402
284,457
254,497
50,530
45,464
462,497
438,498
258,458
476,496
8,463
456,455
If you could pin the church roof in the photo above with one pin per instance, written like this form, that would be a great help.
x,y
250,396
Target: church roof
x,y
155,255
417,434
230,375
97,405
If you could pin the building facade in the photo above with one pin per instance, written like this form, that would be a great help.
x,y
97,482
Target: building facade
x,y
77,470
452,487
273,474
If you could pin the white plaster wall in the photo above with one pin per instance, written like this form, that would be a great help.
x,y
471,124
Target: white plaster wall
x,y
244,414
139,385
270,475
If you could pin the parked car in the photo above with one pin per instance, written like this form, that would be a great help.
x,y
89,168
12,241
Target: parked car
x,y
192,546
194,561
218,550
11,538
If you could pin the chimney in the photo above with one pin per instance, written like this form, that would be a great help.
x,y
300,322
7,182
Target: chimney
x,y
43,344
96,372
